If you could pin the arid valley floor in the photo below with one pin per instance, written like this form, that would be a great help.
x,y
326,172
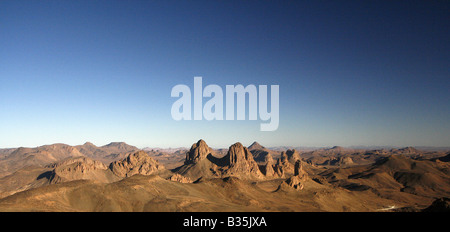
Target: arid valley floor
x,y
120,177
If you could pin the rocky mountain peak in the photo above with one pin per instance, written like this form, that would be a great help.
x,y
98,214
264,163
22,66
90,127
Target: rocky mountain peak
x,y
285,164
75,168
256,146
297,180
89,144
135,163
198,152
241,162
79,161
238,153
268,166
292,155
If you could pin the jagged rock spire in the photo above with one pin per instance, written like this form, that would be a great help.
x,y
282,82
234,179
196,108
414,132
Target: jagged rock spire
x,y
240,161
198,152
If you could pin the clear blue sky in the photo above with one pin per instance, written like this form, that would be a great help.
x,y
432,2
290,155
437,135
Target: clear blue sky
x,y
350,72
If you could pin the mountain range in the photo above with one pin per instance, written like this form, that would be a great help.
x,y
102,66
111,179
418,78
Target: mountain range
x,y
121,177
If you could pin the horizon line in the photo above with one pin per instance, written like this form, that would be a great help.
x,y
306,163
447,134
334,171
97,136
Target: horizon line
x,y
269,147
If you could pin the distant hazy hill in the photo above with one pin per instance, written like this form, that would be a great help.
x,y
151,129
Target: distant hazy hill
x,y
80,168
15,159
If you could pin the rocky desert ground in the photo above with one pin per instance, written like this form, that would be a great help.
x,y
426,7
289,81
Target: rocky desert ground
x,y
120,177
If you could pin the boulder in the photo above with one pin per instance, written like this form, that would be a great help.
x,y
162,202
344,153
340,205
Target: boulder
x,y
179,178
